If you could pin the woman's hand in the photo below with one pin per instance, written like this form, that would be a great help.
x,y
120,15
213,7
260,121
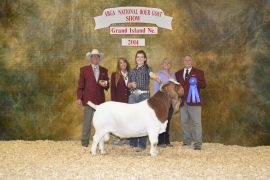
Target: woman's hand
x,y
155,77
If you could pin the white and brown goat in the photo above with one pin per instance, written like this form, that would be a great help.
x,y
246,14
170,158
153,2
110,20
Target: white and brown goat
x,y
148,117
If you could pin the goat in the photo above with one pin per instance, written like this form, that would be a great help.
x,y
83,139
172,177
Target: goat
x,y
148,117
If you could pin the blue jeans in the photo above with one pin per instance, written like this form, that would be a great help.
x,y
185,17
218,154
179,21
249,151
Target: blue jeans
x,y
141,141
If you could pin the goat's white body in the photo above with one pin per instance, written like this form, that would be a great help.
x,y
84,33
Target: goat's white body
x,y
126,120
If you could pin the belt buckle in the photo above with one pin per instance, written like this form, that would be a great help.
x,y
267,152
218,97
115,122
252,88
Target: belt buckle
x,y
137,92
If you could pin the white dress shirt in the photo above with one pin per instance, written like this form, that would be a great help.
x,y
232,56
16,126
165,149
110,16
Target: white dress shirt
x,y
96,71
125,75
185,69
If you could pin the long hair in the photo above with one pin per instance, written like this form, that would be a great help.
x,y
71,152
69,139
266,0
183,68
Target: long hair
x,y
144,54
118,69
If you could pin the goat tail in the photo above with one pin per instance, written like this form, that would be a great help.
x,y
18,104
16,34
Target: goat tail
x,y
92,105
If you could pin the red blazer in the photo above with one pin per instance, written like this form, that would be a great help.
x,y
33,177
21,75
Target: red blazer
x,y
185,83
119,91
88,88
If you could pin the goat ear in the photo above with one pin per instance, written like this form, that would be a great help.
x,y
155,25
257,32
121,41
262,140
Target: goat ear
x,y
176,103
180,91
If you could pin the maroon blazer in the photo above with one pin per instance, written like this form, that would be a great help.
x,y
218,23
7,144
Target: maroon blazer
x,y
88,88
119,91
185,83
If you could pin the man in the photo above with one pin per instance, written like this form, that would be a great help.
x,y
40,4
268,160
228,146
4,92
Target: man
x,y
190,110
91,85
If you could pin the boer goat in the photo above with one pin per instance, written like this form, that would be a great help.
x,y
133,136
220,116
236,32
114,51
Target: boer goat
x,y
148,117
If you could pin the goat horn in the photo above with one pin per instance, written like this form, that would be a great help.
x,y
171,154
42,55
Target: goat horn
x,y
160,88
174,81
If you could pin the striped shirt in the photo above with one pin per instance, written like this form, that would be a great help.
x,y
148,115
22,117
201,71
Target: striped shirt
x,y
140,75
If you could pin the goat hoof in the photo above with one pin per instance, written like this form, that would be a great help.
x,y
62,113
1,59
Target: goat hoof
x,y
103,152
154,154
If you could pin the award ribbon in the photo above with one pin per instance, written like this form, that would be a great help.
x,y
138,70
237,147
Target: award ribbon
x,y
193,91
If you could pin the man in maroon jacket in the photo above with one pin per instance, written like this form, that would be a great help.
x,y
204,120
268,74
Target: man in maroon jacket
x,y
191,110
91,85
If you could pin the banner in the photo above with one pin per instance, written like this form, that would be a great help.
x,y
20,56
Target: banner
x,y
133,15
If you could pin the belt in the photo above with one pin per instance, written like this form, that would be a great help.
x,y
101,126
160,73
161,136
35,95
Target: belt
x,y
139,92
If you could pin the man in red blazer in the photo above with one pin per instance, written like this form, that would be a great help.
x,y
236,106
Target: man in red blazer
x,y
91,85
191,111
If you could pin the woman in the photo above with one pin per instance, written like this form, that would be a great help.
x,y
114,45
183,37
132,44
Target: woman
x,y
119,80
119,89
139,80
165,74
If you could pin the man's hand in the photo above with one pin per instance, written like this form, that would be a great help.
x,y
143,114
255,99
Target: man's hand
x,y
79,103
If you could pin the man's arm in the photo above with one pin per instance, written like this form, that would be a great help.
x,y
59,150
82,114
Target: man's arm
x,y
113,87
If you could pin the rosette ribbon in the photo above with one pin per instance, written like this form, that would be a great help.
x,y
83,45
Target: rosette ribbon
x,y
193,91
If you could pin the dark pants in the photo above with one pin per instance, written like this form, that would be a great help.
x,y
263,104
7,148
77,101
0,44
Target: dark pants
x,y
164,138
141,141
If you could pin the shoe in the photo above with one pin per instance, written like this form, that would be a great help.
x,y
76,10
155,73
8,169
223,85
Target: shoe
x,y
116,142
137,149
169,145
133,147
184,144
197,148
143,148
85,145
162,145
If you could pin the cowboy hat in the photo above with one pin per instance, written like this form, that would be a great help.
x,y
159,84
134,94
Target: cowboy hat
x,y
94,51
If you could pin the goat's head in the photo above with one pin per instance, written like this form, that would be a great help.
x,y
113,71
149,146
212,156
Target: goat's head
x,y
175,92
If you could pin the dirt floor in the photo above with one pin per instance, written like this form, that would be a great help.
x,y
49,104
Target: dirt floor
x,y
69,160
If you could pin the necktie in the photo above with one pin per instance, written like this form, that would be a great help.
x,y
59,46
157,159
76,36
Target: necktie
x,y
96,73
126,78
186,75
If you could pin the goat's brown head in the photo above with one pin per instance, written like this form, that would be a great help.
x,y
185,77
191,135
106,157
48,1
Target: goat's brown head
x,y
175,92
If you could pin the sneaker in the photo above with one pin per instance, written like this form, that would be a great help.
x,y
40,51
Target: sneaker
x,y
116,142
162,145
